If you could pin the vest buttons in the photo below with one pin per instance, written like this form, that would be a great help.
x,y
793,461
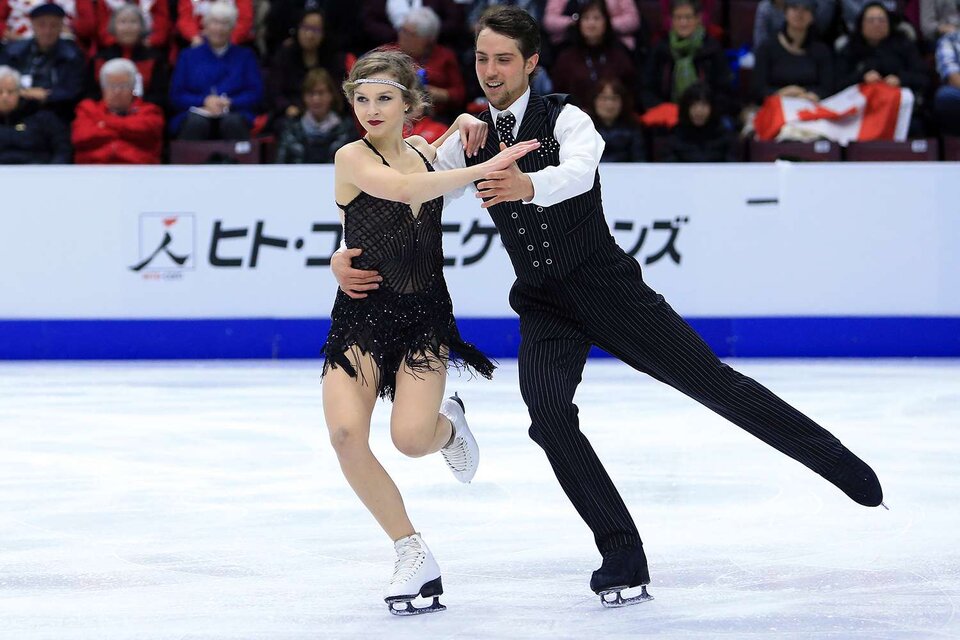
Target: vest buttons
x,y
549,261
546,245
539,209
536,263
521,231
544,226
513,214
529,247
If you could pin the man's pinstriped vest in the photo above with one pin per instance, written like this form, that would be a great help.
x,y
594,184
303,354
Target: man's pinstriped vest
x,y
545,241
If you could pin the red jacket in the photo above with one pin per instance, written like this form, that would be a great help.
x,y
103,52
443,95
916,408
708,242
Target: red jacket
x,y
102,137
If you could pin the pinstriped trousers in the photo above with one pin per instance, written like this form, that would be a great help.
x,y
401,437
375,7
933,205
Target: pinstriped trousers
x,y
604,302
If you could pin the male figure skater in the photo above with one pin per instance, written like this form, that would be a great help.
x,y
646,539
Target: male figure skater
x,y
577,288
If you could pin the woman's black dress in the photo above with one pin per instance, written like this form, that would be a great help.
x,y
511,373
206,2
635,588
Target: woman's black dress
x,y
409,319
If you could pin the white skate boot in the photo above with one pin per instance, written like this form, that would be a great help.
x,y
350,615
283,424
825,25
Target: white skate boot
x,y
415,574
463,455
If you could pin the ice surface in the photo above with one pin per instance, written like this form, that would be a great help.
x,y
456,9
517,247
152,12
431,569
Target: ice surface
x,y
202,500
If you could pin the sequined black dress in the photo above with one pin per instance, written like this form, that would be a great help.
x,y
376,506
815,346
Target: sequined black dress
x,y
409,319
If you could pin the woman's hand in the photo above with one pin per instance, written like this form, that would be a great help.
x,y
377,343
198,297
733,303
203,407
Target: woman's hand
x,y
509,155
473,133
872,76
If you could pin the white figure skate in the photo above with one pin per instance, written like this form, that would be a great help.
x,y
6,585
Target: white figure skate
x,y
463,454
415,574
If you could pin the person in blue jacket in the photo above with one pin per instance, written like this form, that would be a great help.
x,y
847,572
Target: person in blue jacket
x,y
216,89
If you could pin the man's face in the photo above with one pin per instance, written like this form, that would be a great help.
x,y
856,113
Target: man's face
x,y
503,73
684,21
118,92
9,95
46,29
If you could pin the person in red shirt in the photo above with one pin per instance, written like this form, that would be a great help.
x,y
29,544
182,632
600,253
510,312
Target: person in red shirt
x,y
190,15
441,78
121,128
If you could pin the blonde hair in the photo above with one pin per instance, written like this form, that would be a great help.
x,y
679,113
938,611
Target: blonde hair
x,y
396,64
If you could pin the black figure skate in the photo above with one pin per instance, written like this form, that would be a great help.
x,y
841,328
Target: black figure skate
x,y
622,569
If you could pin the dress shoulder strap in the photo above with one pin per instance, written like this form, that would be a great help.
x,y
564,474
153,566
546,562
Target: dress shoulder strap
x,y
423,157
374,149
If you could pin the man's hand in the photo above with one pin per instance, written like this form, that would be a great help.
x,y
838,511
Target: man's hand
x,y
353,282
506,185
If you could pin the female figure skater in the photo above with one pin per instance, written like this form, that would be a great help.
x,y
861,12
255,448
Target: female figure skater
x,y
397,342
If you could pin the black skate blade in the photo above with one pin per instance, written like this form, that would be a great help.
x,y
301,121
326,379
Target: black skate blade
x,y
619,601
456,398
411,610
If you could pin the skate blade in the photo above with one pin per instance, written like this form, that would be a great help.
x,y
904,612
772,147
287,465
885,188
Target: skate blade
x,y
619,601
411,610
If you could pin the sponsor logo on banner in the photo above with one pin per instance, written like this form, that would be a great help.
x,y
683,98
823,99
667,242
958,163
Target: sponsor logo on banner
x,y
166,246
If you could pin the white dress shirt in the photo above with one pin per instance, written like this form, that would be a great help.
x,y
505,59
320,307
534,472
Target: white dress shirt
x,y
580,150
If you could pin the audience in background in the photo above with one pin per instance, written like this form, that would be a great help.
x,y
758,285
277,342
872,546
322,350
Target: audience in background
x,y
155,16
216,89
79,19
794,63
946,104
315,136
771,16
612,111
121,128
701,135
441,75
191,15
310,48
687,55
128,29
51,68
594,54
561,16
28,136
938,18
382,20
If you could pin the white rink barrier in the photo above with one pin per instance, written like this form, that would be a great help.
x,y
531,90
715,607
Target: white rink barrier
x,y
213,261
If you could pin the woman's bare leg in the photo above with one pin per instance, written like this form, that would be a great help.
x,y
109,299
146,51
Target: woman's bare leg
x,y
347,405
416,425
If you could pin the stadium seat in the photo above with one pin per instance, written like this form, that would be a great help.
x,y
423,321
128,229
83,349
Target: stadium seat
x,y
215,152
923,149
742,16
818,151
951,148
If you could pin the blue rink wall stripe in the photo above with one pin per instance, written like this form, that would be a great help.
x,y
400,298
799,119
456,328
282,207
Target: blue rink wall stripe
x,y
774,337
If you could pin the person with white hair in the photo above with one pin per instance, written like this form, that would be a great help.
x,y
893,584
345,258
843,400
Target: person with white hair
x,y
28,136
191,15
155,15
417,37
216,90
129,29
120,128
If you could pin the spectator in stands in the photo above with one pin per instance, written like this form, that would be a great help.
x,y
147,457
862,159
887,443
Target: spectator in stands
x,y
28,136
121,128
946,104
477,7
701,135
850,11
315,136
771,16
710,17
594,53
441,75
794,63
612,111
341,23
686,56
155,18
15,21
879,52
51,67
216,88
309,49
128,30
191,25
561,17
382,20
938,18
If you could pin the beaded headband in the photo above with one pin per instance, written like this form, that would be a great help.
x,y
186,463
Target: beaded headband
x,y
380,81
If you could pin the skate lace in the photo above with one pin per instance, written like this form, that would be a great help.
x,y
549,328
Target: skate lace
x,y
457,456
409,558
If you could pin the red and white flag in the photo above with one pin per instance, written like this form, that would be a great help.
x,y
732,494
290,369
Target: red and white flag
x,y
875,111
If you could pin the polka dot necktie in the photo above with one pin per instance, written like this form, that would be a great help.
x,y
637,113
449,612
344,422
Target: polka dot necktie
x,y
505,122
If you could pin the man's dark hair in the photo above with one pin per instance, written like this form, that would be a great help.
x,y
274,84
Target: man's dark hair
x,y
514,23
676,4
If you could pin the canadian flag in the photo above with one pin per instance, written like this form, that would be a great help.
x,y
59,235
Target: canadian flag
x,y
875,111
